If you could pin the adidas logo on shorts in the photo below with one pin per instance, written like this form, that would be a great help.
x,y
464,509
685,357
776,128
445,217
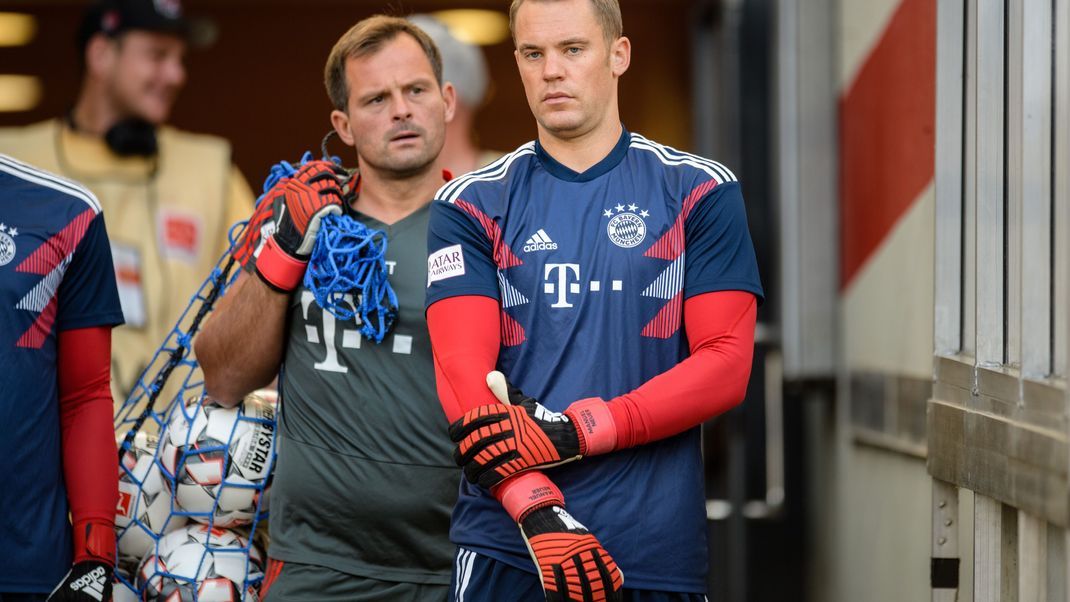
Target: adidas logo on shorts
x,y
540,241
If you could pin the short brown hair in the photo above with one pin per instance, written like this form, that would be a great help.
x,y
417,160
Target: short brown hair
x,y
365,38
607,12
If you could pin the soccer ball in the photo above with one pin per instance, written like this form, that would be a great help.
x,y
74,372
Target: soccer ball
x,y
120,590
218,459
203,564
144,509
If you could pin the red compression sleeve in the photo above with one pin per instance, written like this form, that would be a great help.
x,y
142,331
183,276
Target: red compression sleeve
x,y
465,337
89,453
713,380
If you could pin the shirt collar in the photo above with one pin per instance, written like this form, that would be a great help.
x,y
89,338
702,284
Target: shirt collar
x,y
610,161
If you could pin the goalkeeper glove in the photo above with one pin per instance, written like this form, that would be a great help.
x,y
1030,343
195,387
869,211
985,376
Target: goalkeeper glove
x,y
88,581
90,577
499,440
318,189
571,563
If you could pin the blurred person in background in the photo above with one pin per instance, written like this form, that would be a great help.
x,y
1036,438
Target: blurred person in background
x,y
170,195
464,66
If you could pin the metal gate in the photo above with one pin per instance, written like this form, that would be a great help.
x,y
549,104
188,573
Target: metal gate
x,y
997,419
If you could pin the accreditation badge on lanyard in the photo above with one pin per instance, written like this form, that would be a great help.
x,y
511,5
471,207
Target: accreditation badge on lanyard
x,y
129,277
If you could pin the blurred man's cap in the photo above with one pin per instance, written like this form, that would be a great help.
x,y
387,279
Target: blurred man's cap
x,y
462,63
113,17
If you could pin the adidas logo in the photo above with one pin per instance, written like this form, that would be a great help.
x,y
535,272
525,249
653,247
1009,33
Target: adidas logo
x,y
547,415
540,241
92,583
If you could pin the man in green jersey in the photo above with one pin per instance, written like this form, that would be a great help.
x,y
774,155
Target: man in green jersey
x,y
364,481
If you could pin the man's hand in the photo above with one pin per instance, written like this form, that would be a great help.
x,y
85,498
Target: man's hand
x,y
318,189
499,440
572,564
87,581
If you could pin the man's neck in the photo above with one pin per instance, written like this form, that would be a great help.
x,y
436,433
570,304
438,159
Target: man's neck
x,y
92,115
390,200
582,152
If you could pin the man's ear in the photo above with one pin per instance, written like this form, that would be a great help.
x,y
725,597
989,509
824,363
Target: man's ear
x,y
100,55
620,55
340,121
449,95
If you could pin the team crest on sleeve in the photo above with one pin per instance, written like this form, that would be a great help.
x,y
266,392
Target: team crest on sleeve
x,y
626,227
7,244
445,263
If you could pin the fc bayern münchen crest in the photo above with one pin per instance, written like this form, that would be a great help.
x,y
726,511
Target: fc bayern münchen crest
x,y
626,228
7,244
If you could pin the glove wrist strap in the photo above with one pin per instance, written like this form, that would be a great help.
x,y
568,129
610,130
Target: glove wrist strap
x,y
526,492
594,425
278,269
94,541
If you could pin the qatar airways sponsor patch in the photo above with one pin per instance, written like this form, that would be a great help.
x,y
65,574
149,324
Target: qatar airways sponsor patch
x,y
445,263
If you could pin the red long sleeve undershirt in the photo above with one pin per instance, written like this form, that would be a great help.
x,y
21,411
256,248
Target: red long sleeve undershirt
x,y
89,452
465,336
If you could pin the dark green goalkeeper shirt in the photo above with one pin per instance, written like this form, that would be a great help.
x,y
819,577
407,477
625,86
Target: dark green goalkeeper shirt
x,y
364,481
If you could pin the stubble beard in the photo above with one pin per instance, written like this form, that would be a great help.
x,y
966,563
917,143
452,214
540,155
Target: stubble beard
x,y
393,167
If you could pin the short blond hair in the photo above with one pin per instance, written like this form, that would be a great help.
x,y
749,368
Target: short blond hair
x,y
607,12
365,38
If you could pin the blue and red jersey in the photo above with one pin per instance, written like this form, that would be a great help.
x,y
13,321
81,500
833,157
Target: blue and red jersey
x,y
591,271
56,274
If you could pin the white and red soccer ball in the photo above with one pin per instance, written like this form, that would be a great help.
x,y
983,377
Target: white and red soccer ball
x,y
144,509
218,459
203,564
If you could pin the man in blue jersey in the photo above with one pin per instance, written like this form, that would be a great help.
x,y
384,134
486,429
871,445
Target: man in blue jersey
x,y
613,279
59,303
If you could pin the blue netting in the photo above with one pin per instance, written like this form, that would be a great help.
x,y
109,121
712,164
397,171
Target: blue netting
x,y
349,263
159,552
194,477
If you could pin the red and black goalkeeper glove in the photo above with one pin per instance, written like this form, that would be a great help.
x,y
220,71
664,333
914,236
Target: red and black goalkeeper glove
x,y
499,440
573,566
90,577
318,189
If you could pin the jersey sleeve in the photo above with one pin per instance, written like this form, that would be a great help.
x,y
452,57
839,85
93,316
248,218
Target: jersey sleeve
x,y
713,380
460,253
719,252
88,295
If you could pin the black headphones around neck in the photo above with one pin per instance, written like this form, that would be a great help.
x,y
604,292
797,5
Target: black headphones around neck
x,y
130,137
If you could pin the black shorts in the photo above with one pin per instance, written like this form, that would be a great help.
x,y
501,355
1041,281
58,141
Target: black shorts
x,y
292,581
478,578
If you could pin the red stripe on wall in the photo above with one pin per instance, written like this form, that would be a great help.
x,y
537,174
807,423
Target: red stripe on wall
x,y
887,140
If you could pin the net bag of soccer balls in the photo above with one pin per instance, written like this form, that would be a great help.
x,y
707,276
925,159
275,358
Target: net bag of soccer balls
x,y
190,500
194,476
